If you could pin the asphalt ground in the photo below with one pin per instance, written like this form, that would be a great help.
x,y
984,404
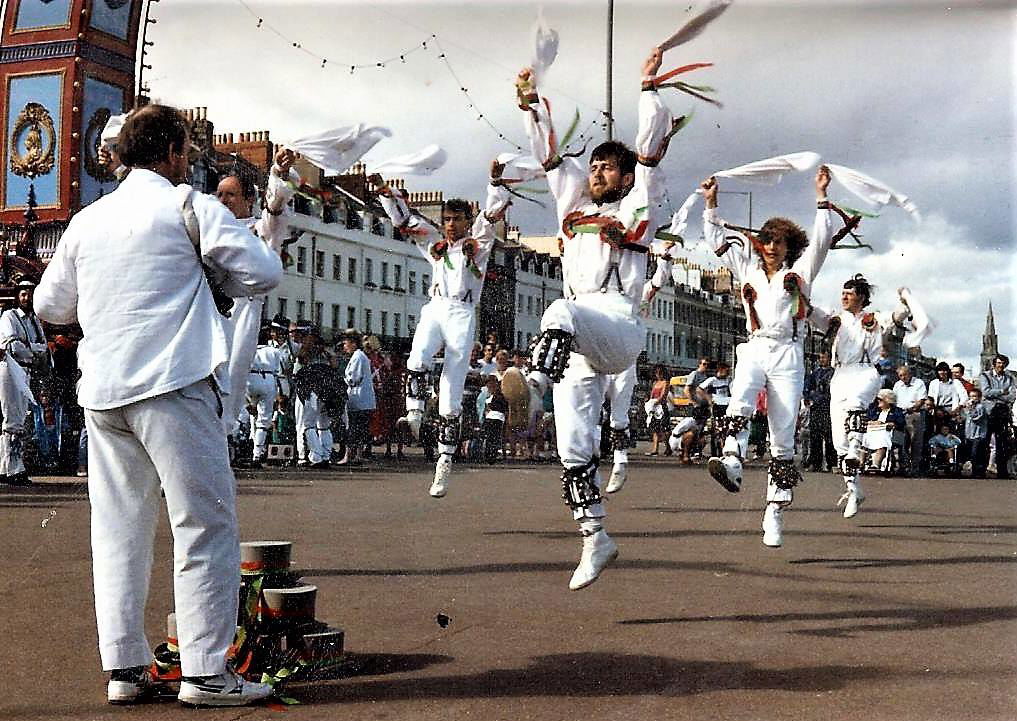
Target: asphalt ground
x,y
906,612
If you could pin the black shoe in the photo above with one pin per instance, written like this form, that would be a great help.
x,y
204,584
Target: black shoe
x,y
320,465
19,479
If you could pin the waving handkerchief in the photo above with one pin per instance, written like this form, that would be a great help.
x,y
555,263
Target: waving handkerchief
x,y
335,150
422,162
871,190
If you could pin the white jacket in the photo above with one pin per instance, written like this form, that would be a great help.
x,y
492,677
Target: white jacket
x,y
359,382
126,271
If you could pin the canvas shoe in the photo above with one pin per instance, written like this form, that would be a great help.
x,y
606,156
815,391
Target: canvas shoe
x,y
851,499
619,474
130,685
225,689
726,471
442,470
598,550
773,526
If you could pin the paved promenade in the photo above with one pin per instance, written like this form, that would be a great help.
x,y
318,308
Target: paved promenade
x,y
907,612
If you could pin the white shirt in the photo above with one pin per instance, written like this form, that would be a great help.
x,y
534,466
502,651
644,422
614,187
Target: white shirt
x,y
774,306
267,359
359,382
949,395
590,265
908,395
22,335
720,388
453,275
127,273
860,336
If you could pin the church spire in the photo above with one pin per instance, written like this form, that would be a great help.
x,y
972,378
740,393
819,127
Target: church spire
x,y
990,344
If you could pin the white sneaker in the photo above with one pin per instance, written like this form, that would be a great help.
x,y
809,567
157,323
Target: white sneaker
x,y
598,551
726,471
619,474
227,689
442,470
852,499
413,418
773,526
130,685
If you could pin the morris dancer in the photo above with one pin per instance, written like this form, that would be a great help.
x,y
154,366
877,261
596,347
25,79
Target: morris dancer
x,y
458,257
238,196
606,214
262,389
775,271
857,340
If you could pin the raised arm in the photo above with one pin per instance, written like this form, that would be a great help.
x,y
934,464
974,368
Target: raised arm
x,y
496,204
273,224
56,298
822,231
652,140
248,265
566,177
733,254
414,226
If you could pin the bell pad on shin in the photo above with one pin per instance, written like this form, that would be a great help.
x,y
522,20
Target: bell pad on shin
x,y
855,421
418,385
620,439
579,486
784,474
549,353
448,430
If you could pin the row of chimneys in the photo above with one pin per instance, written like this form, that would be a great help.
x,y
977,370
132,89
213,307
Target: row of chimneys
x,y
258,136
427,197
193,114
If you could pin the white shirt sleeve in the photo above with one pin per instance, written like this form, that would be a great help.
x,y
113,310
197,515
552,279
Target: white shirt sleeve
x,y
737,256
568,182
812,259
274,221
56,297
417,228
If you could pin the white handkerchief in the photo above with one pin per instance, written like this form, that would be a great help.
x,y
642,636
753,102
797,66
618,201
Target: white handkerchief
x,y
545,47
923,324
335,150
871,190
111,131
771,170
520,167
422,162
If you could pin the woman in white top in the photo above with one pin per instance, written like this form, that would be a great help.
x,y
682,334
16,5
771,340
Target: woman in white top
x,y
360,403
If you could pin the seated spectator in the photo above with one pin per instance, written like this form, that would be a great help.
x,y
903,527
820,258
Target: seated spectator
x,y
976,432
944,447
884,418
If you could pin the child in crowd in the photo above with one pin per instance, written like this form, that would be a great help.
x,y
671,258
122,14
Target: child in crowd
x,y
944,447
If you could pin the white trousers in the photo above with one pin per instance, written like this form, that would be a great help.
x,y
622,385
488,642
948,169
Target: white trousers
x,y
174,441
778,367
16,400
852,388
608,338
261,393
314,430
620,387
246,322
452,324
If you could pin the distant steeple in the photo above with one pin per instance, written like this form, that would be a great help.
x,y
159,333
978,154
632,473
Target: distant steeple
x,y
990,344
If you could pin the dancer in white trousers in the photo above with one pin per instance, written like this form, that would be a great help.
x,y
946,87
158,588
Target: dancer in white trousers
x,y
607,214
620,386
315,384
458,253
238,194
857,340
154,417
775,269
261,392
16,400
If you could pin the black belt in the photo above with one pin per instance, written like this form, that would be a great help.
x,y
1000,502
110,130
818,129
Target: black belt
x,y
263,374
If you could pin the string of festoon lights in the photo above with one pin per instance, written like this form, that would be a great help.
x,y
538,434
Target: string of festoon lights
x,y
429,43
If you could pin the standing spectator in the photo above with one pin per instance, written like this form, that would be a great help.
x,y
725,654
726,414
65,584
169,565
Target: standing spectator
x,y
976,430
999,391
502,363
658,414
693,379
948,395
911,393
390,398
817,397
886,368
48,416
153,415
957,370
759,426
360,402
376,430
485,364
317,390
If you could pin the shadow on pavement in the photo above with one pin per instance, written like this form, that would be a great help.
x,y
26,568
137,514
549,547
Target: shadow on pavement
x,y
849,563
593,675
896,619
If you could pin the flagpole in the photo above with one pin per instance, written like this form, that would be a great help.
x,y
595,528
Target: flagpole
x,y
610,68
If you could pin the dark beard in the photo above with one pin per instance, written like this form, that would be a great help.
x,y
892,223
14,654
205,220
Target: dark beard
x,y
609,196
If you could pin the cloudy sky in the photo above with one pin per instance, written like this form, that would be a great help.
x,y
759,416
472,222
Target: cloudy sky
x,y
919,94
